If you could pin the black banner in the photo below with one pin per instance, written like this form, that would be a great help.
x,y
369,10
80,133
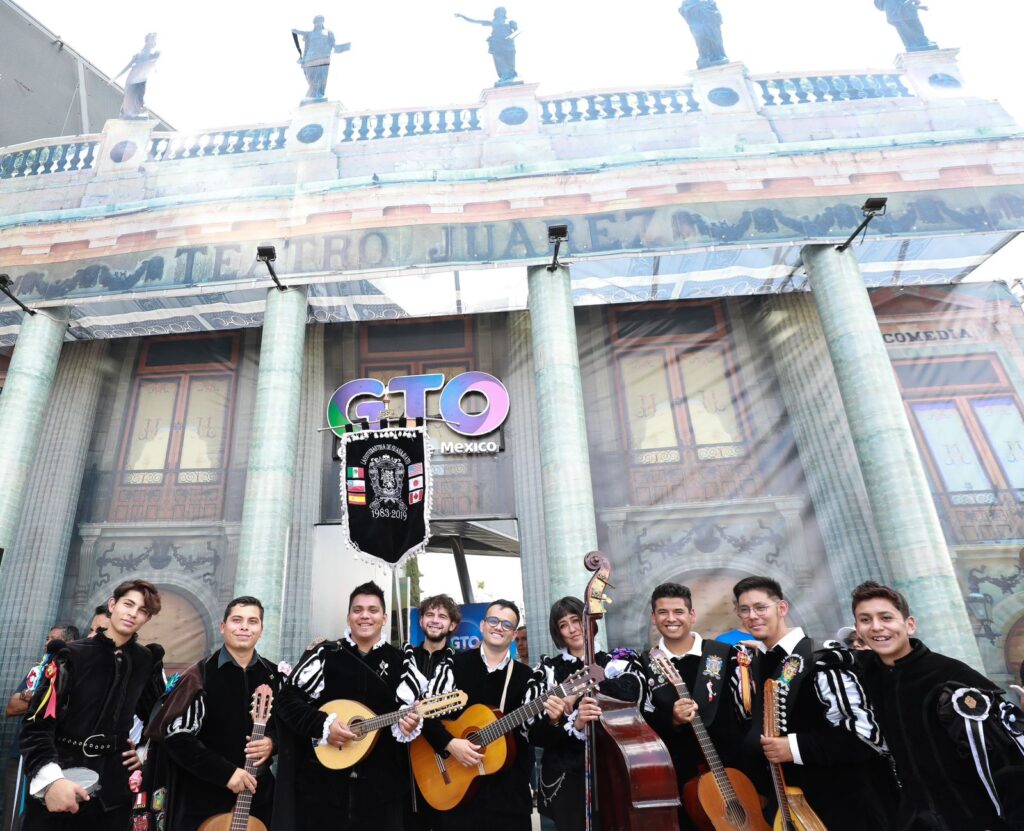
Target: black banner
x,y
385,493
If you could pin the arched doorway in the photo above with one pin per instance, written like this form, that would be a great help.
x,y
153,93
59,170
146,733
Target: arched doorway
x,y
180,629
1014,650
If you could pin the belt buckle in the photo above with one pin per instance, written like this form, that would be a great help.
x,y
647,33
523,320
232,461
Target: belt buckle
x,y
86,741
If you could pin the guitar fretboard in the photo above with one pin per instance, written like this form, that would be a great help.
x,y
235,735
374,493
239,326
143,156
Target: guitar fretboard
x,y
771,730
707,747
523,714
243,802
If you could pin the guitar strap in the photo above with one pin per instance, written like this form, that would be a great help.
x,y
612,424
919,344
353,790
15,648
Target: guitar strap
x,y
508,677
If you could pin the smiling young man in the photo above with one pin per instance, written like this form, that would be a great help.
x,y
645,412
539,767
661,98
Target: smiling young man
x,y
832,747
81,714
488,675
362,666
428,665
704,666
957,744
205,725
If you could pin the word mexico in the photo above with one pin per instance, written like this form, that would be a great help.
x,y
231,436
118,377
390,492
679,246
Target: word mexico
x,y
363,400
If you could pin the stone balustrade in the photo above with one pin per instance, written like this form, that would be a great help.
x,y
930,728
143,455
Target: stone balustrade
x,y
786,89
173,146
373,126
617,105
62,155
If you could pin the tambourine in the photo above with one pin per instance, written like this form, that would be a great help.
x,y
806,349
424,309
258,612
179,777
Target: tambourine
x,y
87,778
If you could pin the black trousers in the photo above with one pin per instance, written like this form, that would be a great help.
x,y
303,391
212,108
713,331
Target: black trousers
x,y
90,817
364,813
479,818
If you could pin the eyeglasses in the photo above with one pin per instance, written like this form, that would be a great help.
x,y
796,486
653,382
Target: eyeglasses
x,y
507,625
761,609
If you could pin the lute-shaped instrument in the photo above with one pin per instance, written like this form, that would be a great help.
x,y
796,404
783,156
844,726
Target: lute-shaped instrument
x,y
795,813
362,721
723,799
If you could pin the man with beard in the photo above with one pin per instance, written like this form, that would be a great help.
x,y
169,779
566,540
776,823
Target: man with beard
x,y
427,666
362,667
81,715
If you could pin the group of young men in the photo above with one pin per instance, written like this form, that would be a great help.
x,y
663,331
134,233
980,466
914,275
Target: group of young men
x,y
893,736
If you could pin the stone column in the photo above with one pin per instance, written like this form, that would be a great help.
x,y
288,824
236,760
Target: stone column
x,y
570,527
790,327
36,561
524,442
26,392
912,545
312,445
269,485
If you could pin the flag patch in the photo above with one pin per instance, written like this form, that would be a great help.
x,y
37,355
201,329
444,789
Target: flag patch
x,y
356,498
415,496
355,485
416,469
355,473
416,483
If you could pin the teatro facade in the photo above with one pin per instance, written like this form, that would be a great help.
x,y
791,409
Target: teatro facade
x,y
703,389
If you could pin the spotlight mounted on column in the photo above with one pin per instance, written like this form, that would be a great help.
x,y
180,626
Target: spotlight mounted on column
x,y
872,207
5,287
557,234
267,254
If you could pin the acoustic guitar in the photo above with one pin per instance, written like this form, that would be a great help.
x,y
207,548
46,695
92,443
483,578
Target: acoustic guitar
x,y
795,812
444,786
362,721
239,819
723,799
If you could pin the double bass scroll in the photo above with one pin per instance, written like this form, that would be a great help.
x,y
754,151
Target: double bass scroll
x,y
635,782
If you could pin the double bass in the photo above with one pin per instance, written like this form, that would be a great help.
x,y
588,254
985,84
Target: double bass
x,y
635,782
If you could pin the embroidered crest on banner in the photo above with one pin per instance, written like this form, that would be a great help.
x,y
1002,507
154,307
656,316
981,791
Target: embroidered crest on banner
x,y
387,473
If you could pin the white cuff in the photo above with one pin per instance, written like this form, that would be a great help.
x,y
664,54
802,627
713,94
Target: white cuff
x,y
794,748
570,726
396,731
331,718
615,668
48,774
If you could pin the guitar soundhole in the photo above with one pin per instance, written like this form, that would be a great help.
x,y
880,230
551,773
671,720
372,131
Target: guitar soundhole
x,y
737,816
355,725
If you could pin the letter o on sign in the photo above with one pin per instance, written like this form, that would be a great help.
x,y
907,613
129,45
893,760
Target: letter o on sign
x,y
478,424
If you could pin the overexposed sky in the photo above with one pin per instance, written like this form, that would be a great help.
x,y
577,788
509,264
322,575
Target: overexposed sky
x,y
229,62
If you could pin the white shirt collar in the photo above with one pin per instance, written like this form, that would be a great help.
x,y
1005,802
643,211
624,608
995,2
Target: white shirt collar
x,y
698,645
502,665
791,639
348,637
568,656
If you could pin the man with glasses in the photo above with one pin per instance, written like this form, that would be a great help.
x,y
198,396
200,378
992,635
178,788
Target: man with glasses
x,y
832,747
503,801
704,667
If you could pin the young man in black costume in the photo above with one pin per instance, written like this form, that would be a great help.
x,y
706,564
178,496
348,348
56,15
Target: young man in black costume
x,y
205,725
362,667
957,744
82,712
562,732
832,748
503,801
426,665
704,667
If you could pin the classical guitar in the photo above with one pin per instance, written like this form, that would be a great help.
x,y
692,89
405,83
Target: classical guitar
x,y
362,721
723,799
795,813
445,785
239,819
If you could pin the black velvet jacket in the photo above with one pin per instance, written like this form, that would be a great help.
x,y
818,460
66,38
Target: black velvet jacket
x,y
941,785
207,741
99,689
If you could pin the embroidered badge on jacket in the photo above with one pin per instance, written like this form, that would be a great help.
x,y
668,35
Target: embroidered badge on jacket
x,y
791,668
713,666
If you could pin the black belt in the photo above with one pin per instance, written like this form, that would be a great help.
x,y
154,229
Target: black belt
x,y
98,744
